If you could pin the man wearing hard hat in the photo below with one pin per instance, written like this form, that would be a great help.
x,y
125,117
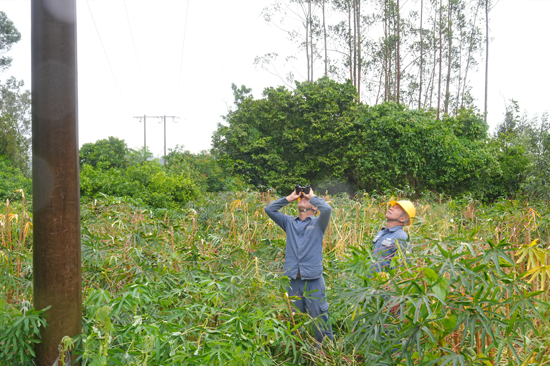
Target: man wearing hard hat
x,y
386,240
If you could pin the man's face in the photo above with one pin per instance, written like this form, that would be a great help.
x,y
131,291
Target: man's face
x,y
395,212
304,204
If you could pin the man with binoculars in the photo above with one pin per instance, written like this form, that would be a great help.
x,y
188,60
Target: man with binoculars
x,y
304,253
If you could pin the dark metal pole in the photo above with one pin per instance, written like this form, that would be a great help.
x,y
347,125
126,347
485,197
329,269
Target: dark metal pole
x,y
165,140
55,169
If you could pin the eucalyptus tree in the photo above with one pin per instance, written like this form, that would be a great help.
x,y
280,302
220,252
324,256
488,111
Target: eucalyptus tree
x,y
419,53
303,21
472,38
14,102
440,57
348,31
487,9
449,55
9,35
421,32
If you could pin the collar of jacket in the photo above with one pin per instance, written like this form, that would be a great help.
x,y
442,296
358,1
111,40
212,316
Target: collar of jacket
x,y
393,228
298,217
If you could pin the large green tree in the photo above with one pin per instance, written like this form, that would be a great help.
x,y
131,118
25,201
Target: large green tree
x,y
289,137
107,153
395,147
319,133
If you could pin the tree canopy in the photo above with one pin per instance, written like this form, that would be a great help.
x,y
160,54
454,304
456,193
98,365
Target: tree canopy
x,y
319,133
108,153
290,136
9,35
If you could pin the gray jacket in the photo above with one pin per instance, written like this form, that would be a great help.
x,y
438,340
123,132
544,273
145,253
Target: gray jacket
x,y
304,239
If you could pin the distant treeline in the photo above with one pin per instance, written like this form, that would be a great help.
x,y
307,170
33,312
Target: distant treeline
x,y
321,134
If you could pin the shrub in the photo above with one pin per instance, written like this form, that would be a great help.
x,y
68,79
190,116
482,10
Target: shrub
x,y
19,332
108,153
149,182
207,168
12,179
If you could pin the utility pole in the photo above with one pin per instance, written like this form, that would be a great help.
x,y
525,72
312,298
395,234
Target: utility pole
x,y
57,280
173,120
144,130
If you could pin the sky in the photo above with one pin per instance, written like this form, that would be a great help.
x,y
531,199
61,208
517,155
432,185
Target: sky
x,y
180,57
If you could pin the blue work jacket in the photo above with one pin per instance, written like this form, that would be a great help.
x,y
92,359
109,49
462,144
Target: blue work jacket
x,y
385,245
304,239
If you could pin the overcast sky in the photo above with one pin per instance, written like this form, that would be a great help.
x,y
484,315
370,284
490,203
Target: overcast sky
x,y
179,58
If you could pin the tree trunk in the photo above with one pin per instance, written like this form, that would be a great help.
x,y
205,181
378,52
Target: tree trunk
x,y
434,63
389,51
457,105
325,39
379,87
421,55
311,37
486,57
470,47
355,43
349,43
440,58
449,61
307,47
359,59
398,56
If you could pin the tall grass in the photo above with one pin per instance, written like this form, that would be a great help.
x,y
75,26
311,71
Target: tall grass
x,y
202,285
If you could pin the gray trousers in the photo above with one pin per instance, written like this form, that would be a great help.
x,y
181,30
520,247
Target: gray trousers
x,y
312,298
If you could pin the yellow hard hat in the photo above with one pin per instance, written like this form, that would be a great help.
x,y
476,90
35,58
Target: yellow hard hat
x,y
408,207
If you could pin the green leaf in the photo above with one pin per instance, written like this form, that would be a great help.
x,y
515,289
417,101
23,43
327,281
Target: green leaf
x,y
449,322
440,290
430,274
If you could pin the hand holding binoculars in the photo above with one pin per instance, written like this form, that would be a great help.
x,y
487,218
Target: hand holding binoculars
x,y
300,191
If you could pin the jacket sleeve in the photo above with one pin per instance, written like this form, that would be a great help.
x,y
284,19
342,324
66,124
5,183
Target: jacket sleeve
x,y
401,240
325,209
272,210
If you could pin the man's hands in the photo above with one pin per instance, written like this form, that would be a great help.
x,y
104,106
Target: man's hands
x,y
294,196
310,195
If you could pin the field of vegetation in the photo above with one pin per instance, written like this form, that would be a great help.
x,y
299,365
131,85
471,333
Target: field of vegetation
x,y
181,266
202,285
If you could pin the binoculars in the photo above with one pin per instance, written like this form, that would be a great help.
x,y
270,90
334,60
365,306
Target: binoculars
x,y
301,190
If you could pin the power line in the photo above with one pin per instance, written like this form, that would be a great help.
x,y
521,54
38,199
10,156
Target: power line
x,y
182,48
135,50
102,46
